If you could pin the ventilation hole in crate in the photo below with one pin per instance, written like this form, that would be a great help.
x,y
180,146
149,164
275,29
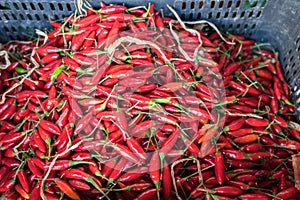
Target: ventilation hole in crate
x,y
290,51
183,16
221,4
191,16
18,37
20,29
250,13
63,16
253,26
229,4
68,7
24,6
199,16
29,16
298,40
209,15
245,26
238,25
284,59
291,58
218,15
201,4
14,16
60,7
0,18
223,26
16,6
22,17
37,17
212,4
5,28
52,7
56,17
230,27
45,17
298,48
183,6
250,34
242,14
192,5
6,17
238,3
41,7
258,14
226,14
234,14
32,6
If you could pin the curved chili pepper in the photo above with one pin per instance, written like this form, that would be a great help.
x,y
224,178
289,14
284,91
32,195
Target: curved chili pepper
x,y
133,174
23,180
65,188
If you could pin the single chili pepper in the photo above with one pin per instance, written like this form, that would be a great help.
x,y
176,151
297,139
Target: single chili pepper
x,y
65,188
112,35
219,167
23,180
126,153
170,142
133,174
246,139
148,194
64,164
21,191
8,112
235,124
81,175
79,185
136,148
50,58
155,170
228,190
12,137
113,9
253,197
257,122
287,193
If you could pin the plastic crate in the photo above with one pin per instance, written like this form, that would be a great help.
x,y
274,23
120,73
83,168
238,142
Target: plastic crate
x,y
272,21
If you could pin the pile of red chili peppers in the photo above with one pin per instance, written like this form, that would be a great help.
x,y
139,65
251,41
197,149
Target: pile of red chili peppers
x,y
82,120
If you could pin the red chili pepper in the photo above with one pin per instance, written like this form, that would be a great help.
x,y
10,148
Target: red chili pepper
x,y
23,180
136,148
234,125
246,139
170,142
254,197
86,21
257,122
148,194
21,191
79,185
133,174
112,34
9,183
113,9
287,193
35,192
219,167
50,58
155,170
228,190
